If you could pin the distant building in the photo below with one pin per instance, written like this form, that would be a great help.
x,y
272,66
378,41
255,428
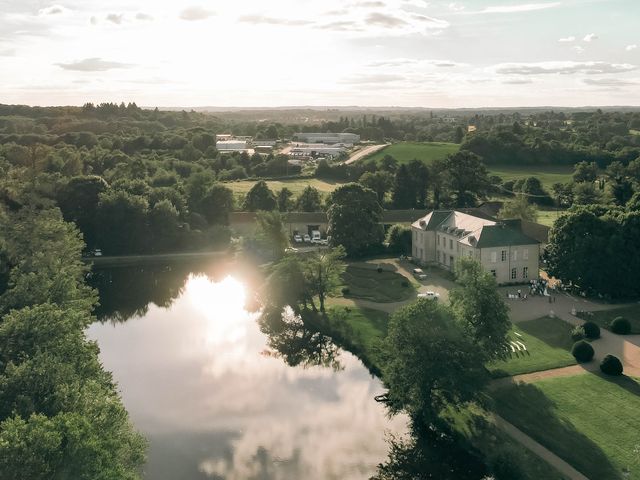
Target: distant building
x,y
507,249
316,150
231,145
328,138
222,137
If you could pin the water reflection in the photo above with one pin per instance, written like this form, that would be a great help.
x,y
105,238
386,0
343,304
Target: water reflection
x,y
196,380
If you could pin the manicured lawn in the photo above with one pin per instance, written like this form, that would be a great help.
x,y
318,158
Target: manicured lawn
x,y
547,217
603,318
365,283
404,152
590,421
548,174
548,342
295,185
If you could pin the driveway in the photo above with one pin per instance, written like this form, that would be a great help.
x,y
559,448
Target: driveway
x,y
363,152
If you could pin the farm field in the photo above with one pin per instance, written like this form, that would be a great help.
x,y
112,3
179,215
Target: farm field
x,y
548,342
589,420
548,174
404,152
296,185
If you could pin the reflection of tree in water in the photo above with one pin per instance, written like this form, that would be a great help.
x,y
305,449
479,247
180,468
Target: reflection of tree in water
x,y
295,342
126,292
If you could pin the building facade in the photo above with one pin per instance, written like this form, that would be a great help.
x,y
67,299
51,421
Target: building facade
x,y
502,247
328,138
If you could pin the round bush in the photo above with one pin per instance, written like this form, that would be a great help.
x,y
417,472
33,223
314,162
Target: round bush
x,y
577,333
591,330
621,326
379,269
582,351
346,291
611,365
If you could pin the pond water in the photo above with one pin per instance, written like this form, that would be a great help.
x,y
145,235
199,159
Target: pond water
x,y
201,381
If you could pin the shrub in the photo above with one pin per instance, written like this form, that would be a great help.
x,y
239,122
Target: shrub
x,y
379,269
346,291
405,283
506,464
621,326
591,330
611,365
582,351
577,333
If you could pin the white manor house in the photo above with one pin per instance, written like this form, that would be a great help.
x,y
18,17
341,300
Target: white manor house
x,y
509,249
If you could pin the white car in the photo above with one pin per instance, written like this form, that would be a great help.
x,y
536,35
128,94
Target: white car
x,y
297,238
419,274
307,238
291,250
429,295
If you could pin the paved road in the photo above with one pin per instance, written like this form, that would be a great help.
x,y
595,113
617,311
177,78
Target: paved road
x,y
363,152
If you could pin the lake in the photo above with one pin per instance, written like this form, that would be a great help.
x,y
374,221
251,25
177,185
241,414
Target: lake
x,y
202,381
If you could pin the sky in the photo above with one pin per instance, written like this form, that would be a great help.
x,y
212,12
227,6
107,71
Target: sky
x,y
254,53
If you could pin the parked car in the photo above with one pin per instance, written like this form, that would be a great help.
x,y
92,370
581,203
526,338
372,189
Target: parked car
x,y
291,250
97,252
315,236
297,238
429,295
419,274
307,238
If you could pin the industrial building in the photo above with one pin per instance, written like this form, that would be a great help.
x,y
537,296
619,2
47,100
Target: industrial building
x,y
346,139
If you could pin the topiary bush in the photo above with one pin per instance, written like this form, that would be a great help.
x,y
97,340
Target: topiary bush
x,y
611,365
346,291
621,326
379,269
582,351
577,333
591,330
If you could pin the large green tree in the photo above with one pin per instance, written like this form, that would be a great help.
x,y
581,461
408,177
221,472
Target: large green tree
x,y
380,182
260,197
309,200
467,178
354,219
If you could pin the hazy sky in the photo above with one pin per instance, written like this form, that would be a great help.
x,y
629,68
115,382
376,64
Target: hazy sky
x,y
468,53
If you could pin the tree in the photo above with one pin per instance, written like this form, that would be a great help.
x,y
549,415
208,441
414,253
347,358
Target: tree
x,y
389,164
122,222
260,197
399,239
78,201
458,136
323,273
271,230
283,198
164,225
402,196
520,208
432,363
480,308
380,182
419,174
585,172
354,219
216,204
309,200
586,194
467,178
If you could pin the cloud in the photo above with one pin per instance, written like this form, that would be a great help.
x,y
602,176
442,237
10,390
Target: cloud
x,y
93,65
93,20
527,7
7,52
372,78
590,37
262,19
568,39
341,26
394,62
578,49
456,7
370,4
115,18
195,13
143,16
517,81
562,68
609,82
53,10
384,20
629,48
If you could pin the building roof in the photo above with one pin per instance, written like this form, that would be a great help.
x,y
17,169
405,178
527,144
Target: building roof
x,y
501,235
534,230
401,216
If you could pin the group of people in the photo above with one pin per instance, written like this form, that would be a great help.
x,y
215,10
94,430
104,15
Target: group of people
x,y
536,287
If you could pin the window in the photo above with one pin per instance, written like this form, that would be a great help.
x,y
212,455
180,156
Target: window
x,y
525,272
514,273
525,254
415,236
438,240
494,256
450,244
493,272
504,255
515,255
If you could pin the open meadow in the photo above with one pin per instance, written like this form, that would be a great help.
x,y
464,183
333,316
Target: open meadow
x,y
404,152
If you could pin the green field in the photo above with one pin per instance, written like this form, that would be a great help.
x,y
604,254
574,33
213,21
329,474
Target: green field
x,y
548,174
365,283
588,420
547,217
296,185
404,152
548,342
603,318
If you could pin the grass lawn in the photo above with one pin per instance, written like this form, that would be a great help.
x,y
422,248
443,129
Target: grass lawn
x,y
634,132
547,217
296,185
548,342
404,152
603,318
588,420
548,174
365,283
